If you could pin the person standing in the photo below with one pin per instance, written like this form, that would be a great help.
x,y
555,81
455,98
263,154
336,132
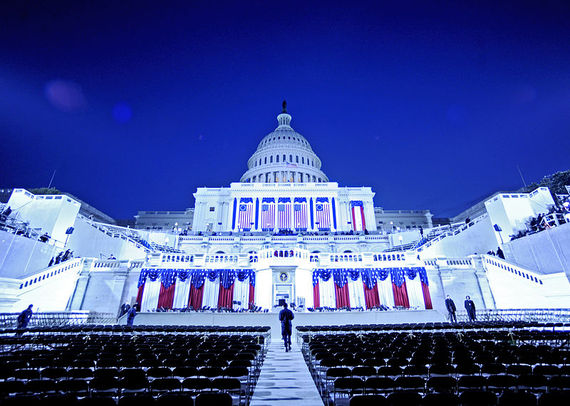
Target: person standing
x,y
124,309
24,319
500,253
285,316
470,308
131,316
451,309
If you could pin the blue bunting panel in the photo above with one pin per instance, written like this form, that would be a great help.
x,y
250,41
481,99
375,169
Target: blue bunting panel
x,y
184,274
197,276
340,277
423,276
397,276
411,273
227,277
369,277
212,274
168,277
353,274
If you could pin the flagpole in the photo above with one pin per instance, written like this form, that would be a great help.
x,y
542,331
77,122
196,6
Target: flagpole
x,y
51,180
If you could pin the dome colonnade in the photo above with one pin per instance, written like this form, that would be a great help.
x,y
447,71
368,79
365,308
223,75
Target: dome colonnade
x,y
284,156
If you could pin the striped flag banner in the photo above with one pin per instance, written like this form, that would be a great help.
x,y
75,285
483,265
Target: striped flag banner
x,y
268,214
284,213
245,217
357,212
323,213
300,217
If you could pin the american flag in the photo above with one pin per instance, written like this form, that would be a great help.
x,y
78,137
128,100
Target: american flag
x,y
300,216
323,217
245,217
268,215
357,211
284,215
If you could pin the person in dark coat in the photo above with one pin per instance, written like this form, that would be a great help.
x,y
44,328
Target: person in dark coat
x,y
131,316
124,309
470,308
24,319
285,316
451,309
500,253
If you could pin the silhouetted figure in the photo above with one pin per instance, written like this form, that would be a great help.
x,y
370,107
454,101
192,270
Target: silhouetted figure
x,y
451,309
24,319
124,309
500,253
44,237
51,261
58,258
131,314
470,308
285,316
67,255
6,213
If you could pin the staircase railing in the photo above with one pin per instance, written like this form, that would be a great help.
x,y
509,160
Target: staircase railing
x,y
9,320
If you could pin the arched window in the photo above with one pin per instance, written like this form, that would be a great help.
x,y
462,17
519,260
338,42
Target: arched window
x,y
303,160
291,158
297,158
265,159
284,157
271,159
277,158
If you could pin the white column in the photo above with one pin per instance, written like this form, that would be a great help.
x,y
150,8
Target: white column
x,y
263,289
304,287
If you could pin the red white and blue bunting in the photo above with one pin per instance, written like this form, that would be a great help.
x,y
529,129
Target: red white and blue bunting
x,y
197,276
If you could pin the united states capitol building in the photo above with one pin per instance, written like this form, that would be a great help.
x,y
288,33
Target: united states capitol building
x,y
284,232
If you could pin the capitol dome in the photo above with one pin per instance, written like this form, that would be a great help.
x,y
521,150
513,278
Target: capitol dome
x,y
284,155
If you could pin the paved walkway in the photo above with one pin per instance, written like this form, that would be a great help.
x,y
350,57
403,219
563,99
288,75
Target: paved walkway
x,y
285,379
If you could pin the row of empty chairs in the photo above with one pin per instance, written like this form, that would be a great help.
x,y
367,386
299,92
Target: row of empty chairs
x,y
118,364
116,329
427,366
431,326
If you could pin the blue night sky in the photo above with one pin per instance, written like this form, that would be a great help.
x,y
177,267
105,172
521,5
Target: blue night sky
x,y
136,104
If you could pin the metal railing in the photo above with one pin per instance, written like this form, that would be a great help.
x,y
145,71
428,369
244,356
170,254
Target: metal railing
x,y
528,315
9,320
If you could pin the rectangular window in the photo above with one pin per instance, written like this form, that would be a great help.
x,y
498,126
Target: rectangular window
x,y
212,208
